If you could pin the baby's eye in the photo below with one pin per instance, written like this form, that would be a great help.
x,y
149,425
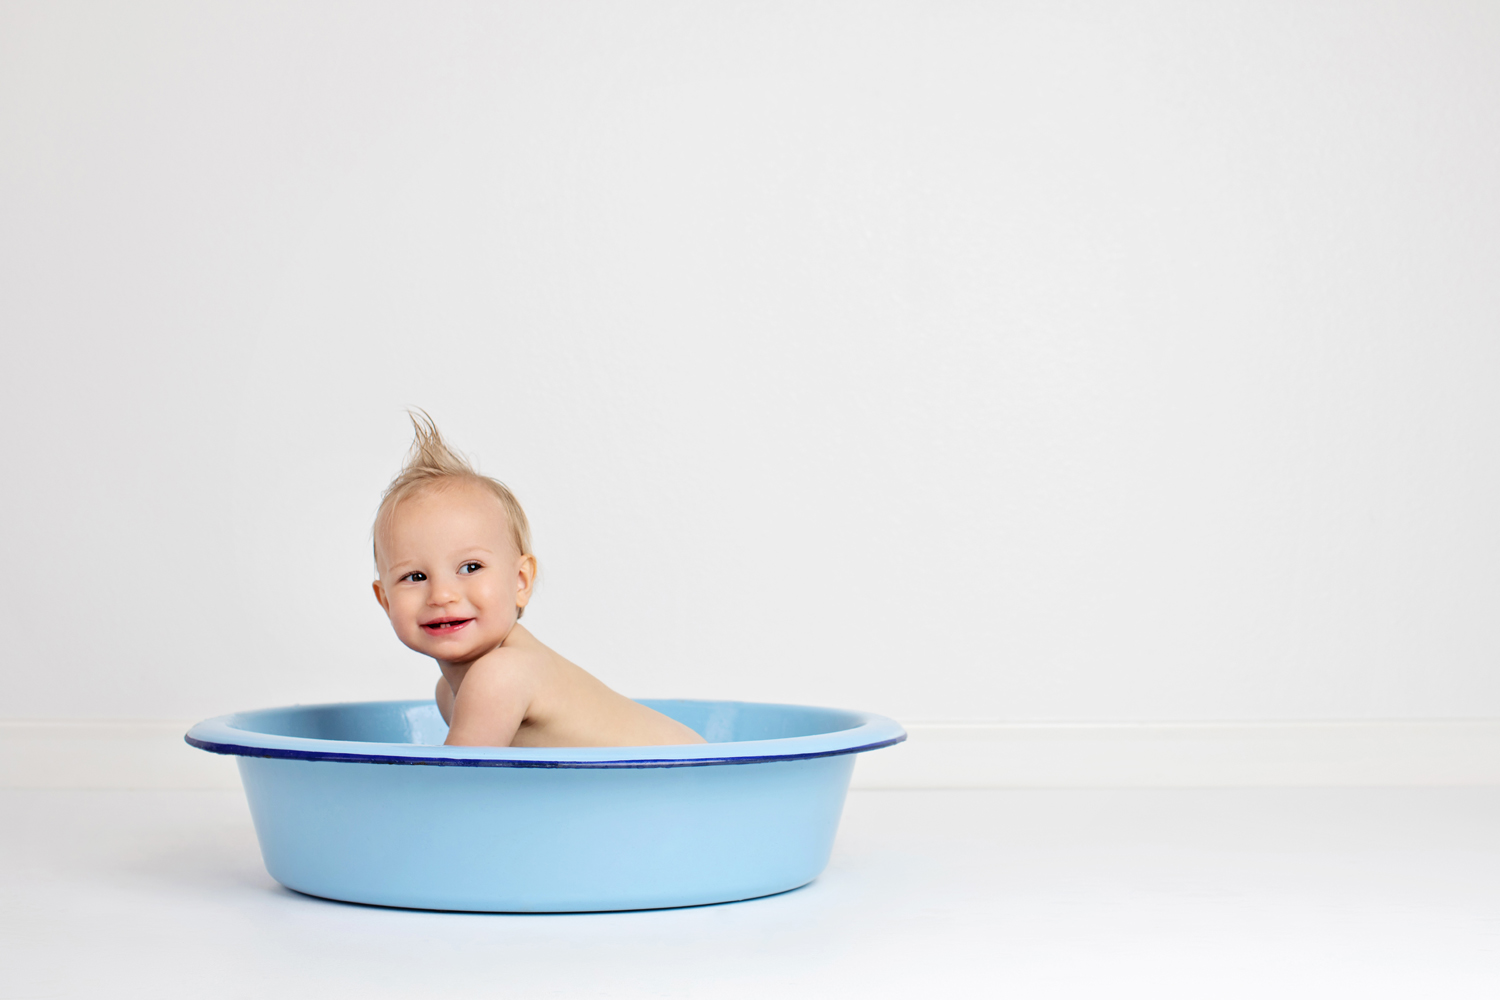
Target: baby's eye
x,y
415,577
471,567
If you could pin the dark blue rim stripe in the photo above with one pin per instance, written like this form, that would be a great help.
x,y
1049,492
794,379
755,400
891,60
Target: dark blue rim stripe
x,y
363,758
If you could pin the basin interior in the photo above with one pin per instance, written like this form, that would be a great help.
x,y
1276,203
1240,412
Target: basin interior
x,y
418,722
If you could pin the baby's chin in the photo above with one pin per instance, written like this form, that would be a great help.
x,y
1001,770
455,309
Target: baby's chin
x,y
454,649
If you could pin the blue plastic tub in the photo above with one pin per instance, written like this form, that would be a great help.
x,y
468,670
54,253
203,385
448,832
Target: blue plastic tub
x,y
361,802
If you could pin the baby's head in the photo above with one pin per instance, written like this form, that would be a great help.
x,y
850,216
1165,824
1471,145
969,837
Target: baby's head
x,y
452,553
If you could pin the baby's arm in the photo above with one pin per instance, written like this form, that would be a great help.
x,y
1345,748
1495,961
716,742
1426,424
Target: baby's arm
x,y
444,696
490,705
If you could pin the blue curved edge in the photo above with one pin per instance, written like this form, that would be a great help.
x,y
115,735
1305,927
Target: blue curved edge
x,y
236,735
358,758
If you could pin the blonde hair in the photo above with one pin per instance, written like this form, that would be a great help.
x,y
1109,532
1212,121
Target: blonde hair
x,y
432,465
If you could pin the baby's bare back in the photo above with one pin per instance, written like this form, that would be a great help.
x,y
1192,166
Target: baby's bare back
x,y
541,699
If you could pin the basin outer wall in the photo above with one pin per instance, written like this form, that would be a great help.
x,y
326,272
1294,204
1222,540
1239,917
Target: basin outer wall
x,y
545,839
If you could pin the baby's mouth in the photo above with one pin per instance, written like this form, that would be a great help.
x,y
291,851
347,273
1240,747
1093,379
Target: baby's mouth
x,y
443,625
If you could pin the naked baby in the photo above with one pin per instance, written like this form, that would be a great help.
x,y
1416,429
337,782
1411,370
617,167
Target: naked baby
x,y
453,554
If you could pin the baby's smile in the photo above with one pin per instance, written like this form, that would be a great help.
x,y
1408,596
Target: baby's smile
x,y
445,626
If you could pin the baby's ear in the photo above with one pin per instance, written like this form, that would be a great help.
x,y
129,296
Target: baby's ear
x,y
525,580
380,596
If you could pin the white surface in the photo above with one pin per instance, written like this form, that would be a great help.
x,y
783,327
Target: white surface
x,y
1021,361
1188,755
126,755
1253,894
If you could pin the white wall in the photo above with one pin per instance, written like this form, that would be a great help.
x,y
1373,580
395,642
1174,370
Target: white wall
x,y
956,361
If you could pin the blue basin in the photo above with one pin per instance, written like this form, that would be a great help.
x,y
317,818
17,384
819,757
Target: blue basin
x,y
362,802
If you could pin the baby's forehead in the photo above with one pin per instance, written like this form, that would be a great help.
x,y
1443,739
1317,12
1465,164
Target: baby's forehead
x,y
452,497
459,511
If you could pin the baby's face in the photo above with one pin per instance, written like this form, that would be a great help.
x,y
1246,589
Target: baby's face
x,y
450,576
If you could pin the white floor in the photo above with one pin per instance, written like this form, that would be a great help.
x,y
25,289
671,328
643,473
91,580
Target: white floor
x,y
1204,894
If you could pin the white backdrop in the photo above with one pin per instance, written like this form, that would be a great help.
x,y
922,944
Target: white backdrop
x,y
1022,361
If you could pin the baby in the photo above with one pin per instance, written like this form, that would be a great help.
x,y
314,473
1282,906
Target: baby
x,y
453,552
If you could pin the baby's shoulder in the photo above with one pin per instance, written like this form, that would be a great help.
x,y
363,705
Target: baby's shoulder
x,y
511,659
507,667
